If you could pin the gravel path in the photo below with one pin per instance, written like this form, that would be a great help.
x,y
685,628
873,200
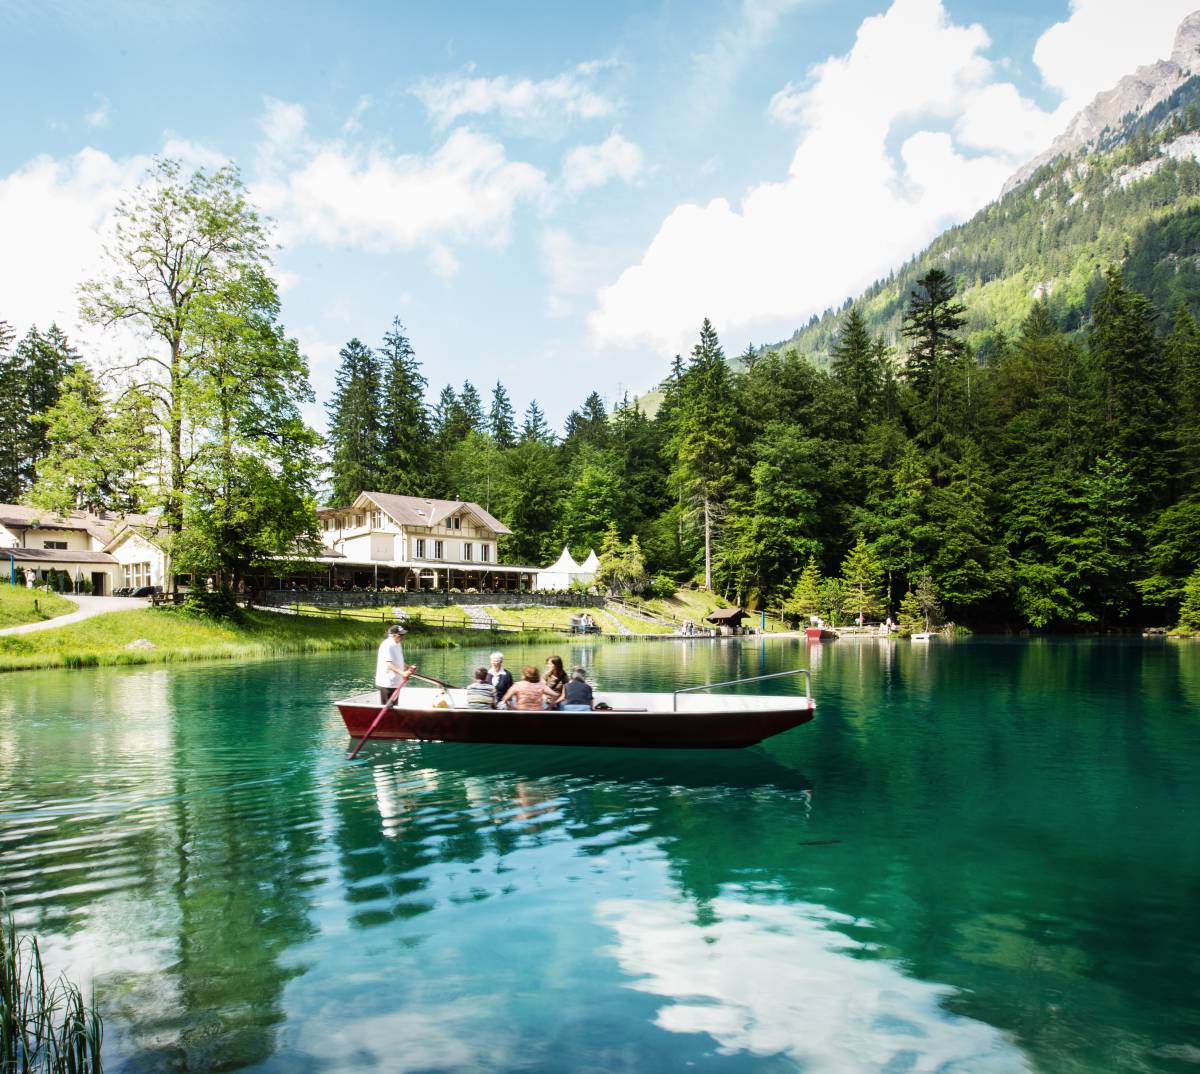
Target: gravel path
x,y
617,625
88,606
479,616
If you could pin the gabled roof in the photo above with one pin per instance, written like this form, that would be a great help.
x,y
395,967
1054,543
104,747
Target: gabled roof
x,y
102,527
53,555
420,511
149,533
727,615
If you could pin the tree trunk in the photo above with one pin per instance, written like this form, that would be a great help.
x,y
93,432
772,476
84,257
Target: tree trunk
x,y
707,545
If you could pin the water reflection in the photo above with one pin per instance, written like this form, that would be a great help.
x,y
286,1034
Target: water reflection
x,y
774,980
971,845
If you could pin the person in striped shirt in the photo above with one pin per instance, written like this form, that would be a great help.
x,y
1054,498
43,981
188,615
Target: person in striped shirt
x,y
481,694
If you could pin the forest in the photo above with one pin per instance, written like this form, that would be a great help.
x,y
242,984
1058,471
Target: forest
x,y
1048,481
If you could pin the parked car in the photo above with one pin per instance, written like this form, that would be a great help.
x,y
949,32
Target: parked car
x,y
145,591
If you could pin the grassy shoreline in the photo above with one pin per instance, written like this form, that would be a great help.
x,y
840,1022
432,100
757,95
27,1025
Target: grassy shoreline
x,y
179,636
19,605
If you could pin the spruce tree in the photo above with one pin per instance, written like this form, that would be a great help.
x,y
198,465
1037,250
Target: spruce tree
x,y
936,363
862,580
854,362
704,438
1133,386
502,418
472,408
534,427
805,599
355,424
404,433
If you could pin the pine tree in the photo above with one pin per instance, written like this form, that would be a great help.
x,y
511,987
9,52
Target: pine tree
x,y
502,418
534,426
936,363
355,434
404,435
854,362
805,598
705,436
1133,386
1183,354
862,580
472,407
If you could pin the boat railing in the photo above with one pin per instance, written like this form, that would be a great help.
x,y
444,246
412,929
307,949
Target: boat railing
x,y
739,682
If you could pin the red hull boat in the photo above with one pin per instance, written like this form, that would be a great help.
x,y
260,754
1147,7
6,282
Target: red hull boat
x,y
681,720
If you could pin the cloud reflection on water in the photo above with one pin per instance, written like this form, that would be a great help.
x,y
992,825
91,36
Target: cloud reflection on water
x,y
780,979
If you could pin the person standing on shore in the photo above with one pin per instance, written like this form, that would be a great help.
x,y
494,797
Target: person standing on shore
x,y
389,663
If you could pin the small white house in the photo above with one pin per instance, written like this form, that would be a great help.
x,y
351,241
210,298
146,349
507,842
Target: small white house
x,y
85,547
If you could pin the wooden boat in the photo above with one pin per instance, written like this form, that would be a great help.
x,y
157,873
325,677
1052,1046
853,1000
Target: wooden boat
x,y
923,635
679,720
817,633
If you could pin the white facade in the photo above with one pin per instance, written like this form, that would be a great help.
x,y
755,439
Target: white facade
x,y
417,543
139,561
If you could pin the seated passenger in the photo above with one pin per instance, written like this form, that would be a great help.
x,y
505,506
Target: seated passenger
x,y
481,694
527,692
577,694
553,681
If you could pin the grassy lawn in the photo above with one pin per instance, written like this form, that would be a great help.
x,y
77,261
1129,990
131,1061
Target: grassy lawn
x,y
449,616
697,605
635,625
541,618
17,605
179,635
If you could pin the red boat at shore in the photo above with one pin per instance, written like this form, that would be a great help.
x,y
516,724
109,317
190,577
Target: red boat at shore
x,y
679,720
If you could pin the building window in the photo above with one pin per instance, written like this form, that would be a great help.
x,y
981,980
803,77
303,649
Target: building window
x,y
60,545
136,575
358,521
467,551
325,525
437,549
485,552
420,543
456,523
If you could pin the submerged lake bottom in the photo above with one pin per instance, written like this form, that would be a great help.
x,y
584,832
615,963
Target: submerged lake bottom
x,y
982,856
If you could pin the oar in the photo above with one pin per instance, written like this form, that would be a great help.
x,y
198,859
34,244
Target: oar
x,y
436,682
387,705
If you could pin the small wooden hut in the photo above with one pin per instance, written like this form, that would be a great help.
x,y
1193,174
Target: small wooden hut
x,y
728,620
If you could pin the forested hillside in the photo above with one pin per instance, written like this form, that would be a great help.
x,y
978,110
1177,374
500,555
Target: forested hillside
x,y
1134,198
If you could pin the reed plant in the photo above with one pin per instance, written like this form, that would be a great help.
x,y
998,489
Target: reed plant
x,y
46,1027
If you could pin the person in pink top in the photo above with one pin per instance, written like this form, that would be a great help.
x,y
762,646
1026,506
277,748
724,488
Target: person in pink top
x,y
526,693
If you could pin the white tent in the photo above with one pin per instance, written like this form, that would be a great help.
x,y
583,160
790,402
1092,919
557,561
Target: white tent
x,y
561,574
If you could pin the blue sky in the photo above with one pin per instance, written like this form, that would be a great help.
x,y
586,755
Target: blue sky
x,y
550,194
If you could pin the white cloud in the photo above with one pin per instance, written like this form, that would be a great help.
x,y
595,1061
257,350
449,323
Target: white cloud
x,y
51,216
771,980
100,115
338,194
849,207
1102,41
594,165
853,205
571,95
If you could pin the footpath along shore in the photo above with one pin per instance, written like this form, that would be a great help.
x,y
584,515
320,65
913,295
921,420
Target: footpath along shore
x,y
88,607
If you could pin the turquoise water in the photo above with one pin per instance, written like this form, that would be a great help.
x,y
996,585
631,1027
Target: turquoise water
x,y
982,856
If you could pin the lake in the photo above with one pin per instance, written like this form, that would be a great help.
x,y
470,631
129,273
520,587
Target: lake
x,y
982,856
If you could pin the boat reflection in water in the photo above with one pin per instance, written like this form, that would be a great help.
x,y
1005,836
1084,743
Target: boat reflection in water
x,y
782,979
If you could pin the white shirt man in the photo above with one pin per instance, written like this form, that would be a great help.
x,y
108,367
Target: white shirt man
x,y
389,664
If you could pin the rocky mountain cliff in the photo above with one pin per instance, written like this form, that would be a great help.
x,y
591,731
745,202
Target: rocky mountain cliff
x,y
1133,96
1122,184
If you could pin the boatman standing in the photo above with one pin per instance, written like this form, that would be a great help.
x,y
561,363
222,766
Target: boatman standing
x,y
389,664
